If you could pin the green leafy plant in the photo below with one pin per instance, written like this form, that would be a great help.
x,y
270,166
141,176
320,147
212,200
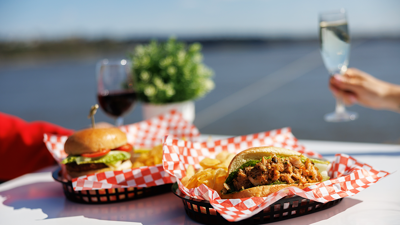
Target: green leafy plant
x,y
170,72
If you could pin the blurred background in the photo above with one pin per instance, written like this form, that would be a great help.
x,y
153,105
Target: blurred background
x,y
265,54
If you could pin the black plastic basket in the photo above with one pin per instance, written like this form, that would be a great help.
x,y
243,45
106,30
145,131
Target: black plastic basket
x,y
286,208
107,195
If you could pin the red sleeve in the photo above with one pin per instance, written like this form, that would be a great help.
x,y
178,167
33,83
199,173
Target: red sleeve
x,y
22,149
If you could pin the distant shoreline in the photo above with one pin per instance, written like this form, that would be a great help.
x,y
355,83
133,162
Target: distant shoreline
x,y
78,48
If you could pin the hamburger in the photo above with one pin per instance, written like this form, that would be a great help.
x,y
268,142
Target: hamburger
x,y
261,171
96,150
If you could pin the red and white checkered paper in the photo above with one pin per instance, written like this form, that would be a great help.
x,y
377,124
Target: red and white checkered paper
x,y
349,176
145,134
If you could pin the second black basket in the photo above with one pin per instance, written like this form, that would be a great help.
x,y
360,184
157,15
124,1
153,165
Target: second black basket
x,y
286,208
107,195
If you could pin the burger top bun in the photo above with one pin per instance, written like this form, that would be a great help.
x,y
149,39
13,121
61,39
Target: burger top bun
x,y
93,140
257,153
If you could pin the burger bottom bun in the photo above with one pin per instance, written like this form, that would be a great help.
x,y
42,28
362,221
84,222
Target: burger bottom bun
x,y
263,191
125,165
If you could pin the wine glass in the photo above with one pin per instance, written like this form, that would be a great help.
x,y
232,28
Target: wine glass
x,y
335,48
115,88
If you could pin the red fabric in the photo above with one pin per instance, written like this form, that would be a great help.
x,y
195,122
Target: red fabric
x,y
22,149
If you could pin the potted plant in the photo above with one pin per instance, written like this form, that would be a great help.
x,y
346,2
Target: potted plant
x,y
170,75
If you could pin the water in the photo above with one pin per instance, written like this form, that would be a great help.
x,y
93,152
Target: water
x,y
295,95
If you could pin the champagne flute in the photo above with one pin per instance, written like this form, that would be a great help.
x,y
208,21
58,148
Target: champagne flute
x,y
335,48
115,88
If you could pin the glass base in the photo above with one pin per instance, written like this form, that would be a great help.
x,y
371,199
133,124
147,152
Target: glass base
x,y
341,117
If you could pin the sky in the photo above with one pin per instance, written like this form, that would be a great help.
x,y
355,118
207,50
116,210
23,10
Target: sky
x,y
119,19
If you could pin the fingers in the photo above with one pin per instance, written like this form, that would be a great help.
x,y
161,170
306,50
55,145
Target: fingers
x,y
348,98
352,78
356,73
346,83
352,72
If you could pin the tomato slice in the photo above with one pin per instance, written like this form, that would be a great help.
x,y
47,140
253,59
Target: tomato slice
x,y
96,154
126,148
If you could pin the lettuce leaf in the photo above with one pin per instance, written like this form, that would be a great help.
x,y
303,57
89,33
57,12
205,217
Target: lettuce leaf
x,y
111,158
319,161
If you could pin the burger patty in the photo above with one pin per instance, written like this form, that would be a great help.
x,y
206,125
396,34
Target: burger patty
x,y
288,170
74,167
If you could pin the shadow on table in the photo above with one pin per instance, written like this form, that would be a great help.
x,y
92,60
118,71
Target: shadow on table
x,y
160,209
49,197
345,204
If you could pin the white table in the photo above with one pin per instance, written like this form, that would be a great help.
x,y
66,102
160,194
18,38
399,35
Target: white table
x,y
37,199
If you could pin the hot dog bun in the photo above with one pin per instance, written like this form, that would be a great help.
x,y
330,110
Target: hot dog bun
x,y
263,191
256,153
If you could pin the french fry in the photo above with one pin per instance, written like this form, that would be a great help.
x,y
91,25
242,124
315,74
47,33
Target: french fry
x,y
140,151
137,164
150,157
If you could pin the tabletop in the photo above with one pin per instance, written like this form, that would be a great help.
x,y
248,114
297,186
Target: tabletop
x,y
37,199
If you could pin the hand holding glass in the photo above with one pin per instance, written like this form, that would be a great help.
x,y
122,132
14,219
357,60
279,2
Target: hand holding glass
x,y
115,88
335,48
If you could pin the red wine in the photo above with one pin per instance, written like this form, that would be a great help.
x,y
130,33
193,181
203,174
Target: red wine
x,y
117,104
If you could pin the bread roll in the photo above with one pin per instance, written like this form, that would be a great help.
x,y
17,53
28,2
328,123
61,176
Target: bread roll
x,y
93,140
257,153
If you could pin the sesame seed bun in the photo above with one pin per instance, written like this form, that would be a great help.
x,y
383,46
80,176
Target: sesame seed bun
x,y
94,140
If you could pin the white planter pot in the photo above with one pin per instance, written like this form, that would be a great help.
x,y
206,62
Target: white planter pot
x,y
153,110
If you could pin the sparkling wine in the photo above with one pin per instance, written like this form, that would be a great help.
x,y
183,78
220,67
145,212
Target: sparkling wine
x,y
335,45
117,104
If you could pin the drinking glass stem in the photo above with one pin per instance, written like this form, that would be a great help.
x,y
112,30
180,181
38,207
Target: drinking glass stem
x,y
340,106
119,121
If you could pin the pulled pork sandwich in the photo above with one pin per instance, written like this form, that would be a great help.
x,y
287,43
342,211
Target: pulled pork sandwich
x,y
260,171
96,150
